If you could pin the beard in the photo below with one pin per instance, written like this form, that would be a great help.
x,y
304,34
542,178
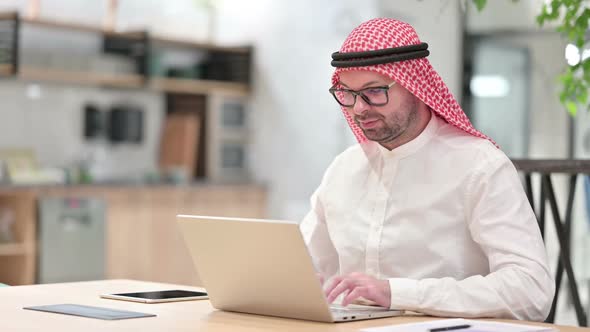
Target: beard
x,y
391,126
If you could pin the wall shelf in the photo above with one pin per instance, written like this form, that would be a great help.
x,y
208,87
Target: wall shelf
x,y
62,25
176,85
130,81
49,23
226,70
194,44
83,78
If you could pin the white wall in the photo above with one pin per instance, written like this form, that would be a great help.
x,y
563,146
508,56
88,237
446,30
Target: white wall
x,y
440,24
52,125
506,15
297,127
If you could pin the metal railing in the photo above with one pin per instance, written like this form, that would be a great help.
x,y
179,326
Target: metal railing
x,y
546,168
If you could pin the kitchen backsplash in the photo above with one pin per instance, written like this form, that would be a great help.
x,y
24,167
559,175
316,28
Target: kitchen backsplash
x,y
49,118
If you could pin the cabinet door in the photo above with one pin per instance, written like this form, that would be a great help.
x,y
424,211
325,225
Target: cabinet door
x,y
144,242
71,239
17,242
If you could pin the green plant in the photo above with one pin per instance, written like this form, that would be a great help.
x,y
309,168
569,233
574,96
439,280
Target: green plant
x,y
573,17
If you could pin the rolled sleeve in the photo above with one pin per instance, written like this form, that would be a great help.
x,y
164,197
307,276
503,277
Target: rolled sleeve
x,y
404,293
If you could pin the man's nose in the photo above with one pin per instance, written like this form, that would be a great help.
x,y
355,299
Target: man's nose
x,y
360,106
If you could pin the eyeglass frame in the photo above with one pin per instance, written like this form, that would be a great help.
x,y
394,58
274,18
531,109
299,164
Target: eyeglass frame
x,y
355,93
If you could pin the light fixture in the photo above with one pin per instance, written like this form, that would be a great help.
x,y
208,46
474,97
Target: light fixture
x,y
489,86
33,91
572,54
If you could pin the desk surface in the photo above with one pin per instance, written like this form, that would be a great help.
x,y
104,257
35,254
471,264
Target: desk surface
x,y
176,316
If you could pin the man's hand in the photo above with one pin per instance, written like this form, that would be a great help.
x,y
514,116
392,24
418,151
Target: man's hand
x,y
360,285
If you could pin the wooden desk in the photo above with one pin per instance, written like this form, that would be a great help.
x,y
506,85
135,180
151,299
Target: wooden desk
x,y
177,316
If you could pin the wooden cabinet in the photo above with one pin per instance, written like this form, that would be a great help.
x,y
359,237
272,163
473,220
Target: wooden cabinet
x,y
17,245
142,239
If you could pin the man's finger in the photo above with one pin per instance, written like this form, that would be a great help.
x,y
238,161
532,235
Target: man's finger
x,y
333,284
354,294
341,287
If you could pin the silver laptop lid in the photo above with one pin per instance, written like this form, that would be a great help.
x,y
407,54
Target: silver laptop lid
x,y
255,266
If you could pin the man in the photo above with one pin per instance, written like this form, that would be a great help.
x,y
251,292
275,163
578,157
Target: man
x,y
425,213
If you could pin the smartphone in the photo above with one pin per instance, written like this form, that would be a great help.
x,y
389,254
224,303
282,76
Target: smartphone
x,y
158,296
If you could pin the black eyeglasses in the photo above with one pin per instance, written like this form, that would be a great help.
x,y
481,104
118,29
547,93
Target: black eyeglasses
x,y
374,96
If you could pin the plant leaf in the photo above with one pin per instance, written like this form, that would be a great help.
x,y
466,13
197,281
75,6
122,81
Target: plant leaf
x,y
479,4
583,96
571,108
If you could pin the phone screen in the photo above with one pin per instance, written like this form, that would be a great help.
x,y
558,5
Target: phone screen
x,y
162,295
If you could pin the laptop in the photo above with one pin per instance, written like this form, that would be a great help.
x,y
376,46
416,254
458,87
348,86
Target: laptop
x,y
262,267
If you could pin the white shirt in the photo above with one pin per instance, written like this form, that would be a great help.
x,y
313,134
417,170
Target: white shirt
x,y
443,217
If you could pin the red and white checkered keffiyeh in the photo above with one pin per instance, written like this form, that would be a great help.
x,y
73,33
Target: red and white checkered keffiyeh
x,y
416,75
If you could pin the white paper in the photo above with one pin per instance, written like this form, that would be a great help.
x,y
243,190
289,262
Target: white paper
x,y
475,326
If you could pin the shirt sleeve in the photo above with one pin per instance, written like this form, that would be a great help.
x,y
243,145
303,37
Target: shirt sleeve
x,y
315,234
501,221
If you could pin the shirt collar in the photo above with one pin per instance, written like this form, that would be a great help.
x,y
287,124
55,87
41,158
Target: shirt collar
x,y
414,145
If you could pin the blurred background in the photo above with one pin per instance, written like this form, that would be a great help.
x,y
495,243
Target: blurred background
x,y
117,115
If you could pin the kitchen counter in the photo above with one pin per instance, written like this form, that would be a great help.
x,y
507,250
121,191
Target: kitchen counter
x,y
141,239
